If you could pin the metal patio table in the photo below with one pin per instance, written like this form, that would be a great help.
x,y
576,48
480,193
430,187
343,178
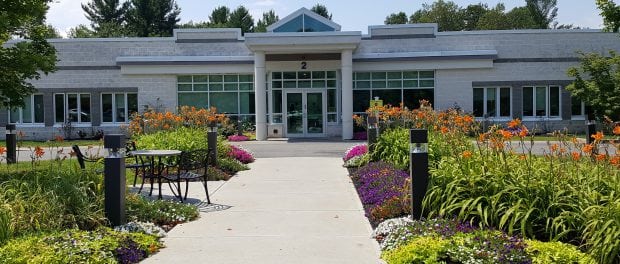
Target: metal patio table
x,y
157,168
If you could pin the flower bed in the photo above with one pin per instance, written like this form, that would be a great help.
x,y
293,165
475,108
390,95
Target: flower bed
x,y
241,154
237,138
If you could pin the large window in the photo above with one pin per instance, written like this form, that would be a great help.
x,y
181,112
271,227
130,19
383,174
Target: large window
x,y
541,101
394,88
31,113
231,94
578,108
281,81
492,102
72,107
118,107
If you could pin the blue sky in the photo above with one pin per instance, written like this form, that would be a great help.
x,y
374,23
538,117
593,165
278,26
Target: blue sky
x,y
351,15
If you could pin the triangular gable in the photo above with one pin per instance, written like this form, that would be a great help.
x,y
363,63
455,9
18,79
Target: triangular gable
x,y
303,20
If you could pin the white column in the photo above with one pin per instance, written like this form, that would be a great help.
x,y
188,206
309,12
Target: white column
x,y
260,95
347,94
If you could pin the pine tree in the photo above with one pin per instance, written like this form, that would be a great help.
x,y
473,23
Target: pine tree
x,y
105,13
241,18
322,11
269,18
152,18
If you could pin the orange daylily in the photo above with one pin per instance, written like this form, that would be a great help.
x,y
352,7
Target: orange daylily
x,y
598,136
576,155
523,132
601,157
467,154
617,130
587,148
514,123
554,147
505,134
38,152
2,150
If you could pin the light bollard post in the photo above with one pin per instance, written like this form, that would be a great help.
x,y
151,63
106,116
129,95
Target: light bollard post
x,y
372,133
11,144
590,130
212,145
114,179
418,168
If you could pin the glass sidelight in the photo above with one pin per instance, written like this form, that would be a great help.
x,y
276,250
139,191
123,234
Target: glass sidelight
x,y
305,113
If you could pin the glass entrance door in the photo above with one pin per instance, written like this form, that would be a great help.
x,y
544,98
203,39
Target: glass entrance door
x,y
305,113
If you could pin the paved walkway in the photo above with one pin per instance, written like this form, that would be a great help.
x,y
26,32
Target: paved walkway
x,y
284,210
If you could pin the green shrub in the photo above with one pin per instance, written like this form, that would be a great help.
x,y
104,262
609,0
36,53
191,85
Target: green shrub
x,y
231,165
52,199
182,138
419,250
393,147
215,174
556,252
165,213
75,246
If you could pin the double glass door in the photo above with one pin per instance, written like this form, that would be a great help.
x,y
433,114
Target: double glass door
x,y
305,113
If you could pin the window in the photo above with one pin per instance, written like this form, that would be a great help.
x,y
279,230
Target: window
x,y
118,107
492,102
72,107
394,88
541,101
578,108
231,94
304,23
31,113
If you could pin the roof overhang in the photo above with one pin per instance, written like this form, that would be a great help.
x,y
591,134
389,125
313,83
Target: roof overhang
x,y
306,42
183,60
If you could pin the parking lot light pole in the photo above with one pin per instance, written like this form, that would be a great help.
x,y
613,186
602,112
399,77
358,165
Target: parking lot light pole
x,y
418,168
11,144
114,179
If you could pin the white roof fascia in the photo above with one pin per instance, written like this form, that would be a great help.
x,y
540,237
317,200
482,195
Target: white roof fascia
x,y
135,59
426,54
416,25
307,12
518,31
207,30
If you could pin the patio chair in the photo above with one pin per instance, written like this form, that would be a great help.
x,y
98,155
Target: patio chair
x,y
191,166
138,165
81,158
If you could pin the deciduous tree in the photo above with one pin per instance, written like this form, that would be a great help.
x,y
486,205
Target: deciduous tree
x,y
23,61
447,14
611,14
396,18
597,83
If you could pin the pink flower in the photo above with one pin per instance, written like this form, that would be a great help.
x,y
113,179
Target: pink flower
x,y
355,151
241,155
238,138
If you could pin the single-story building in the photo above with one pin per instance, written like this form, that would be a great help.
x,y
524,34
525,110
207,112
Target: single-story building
x,y
306,78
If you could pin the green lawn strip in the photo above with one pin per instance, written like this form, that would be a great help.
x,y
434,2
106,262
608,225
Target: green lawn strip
x,y
53,143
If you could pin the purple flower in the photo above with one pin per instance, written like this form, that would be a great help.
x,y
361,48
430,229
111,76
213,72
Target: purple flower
x,y
378,182
129,252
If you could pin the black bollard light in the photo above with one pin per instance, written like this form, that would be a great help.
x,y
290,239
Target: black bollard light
x,y
372,133
11,144
239,128
591,130
418,167
114,179
212,144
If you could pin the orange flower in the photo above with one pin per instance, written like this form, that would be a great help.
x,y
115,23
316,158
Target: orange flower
x,y
523,132
617,130
39,152
562,150
598,136
467,154
444,130
587,148
59,139
482,137
601,157
2,150
522,157
514,123
468,119
554,147
576,156
505,134
615,160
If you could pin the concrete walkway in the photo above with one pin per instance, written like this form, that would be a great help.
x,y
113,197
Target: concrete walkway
x,y
283,210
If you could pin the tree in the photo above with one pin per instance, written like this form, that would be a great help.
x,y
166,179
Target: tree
x,y
494,19
219,17
105,13
396,18
472,14
543,12
151,18
81,31
192,24
601,91
23,61
241,18
448,15
269,18
611,14
322,11
520,18
51,32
